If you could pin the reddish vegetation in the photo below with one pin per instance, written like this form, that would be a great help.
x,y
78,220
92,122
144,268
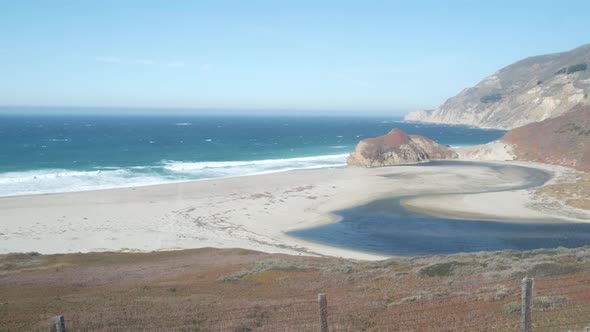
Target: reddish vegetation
x,y
394,139
564,140
240,290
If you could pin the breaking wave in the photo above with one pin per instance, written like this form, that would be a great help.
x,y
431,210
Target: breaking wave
x,y
168,171
214,169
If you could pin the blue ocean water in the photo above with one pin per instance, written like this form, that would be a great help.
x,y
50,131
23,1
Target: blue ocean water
x,y
59,153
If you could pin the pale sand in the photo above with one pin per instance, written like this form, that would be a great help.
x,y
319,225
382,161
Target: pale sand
x,y
495,150
251,212
512,205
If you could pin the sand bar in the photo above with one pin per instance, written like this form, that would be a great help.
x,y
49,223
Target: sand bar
x,y
251,212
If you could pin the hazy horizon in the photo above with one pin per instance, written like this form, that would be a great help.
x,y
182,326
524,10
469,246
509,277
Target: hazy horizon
x,y
333,56
178,111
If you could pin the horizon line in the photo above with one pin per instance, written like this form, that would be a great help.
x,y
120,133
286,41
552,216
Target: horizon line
x,y
244,110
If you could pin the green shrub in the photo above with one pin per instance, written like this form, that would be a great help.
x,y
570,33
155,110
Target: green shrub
x,y
440,269
495,293
410,299
512,308
494,97
232,277
577,67
570,127
551,269
549,302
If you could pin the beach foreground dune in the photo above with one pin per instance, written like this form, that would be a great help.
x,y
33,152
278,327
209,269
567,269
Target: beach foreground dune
x,y
252,212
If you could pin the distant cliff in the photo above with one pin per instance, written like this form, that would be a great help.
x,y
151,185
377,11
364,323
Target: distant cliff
x,y
564,140
530,90
397,147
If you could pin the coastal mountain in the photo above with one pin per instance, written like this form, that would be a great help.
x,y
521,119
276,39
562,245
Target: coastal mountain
x,y
397,147
564,140
530,90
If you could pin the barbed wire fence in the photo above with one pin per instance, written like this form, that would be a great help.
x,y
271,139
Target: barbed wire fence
x,y
543,304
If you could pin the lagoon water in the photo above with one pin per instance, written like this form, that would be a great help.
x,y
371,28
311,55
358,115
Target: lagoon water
x,y
386,227
56,153
64,153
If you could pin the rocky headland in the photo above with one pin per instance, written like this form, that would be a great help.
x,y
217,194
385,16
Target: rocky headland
x,y
530,90
397,148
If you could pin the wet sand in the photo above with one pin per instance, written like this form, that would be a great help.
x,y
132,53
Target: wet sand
x,y
252,212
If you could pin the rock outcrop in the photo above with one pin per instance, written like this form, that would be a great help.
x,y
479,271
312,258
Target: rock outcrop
x,y
530,90
564,140
396,148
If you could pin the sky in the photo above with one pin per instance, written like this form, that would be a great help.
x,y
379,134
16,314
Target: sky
x,y
365,56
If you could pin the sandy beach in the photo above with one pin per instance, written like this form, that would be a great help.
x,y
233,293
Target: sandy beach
x,y
252,212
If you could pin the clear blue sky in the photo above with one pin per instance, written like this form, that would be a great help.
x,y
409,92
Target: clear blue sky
x,y
390,56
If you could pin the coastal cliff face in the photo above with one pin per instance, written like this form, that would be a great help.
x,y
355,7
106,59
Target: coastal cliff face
x,y
530,90
396,148
564,140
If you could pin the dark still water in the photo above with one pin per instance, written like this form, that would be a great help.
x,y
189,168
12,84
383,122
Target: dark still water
x,y
387,227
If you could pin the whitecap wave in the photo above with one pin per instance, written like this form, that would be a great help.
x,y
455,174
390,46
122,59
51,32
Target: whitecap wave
x,y
62,180
183,124
106,177
215,169
456,146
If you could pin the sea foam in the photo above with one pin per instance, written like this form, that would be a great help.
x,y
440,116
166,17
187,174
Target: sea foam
x,y
61,180
168,171
215,169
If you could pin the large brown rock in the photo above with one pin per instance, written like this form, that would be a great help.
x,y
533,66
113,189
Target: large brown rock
x,y
564,140
396,148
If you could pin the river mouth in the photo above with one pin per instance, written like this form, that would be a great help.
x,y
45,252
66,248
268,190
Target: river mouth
x,y
387,227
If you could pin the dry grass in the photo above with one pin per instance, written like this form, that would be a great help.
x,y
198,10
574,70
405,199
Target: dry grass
x,y
573,194
238,290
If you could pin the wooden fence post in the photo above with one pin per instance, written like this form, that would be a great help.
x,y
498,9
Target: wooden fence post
x,y
57,324
526,323
323,301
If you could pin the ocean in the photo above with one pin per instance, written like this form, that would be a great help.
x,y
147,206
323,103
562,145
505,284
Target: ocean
x,y
66,153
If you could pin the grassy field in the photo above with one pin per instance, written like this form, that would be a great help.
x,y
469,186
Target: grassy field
x,y
240,290
576,194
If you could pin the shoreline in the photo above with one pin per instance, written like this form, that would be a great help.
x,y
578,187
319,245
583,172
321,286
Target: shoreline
x,y
251,212
169,183
183,180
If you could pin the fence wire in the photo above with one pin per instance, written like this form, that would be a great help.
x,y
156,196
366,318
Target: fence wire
x,y
559,304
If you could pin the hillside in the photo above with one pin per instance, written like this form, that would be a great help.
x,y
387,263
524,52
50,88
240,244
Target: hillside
x,y
564,140
530,90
